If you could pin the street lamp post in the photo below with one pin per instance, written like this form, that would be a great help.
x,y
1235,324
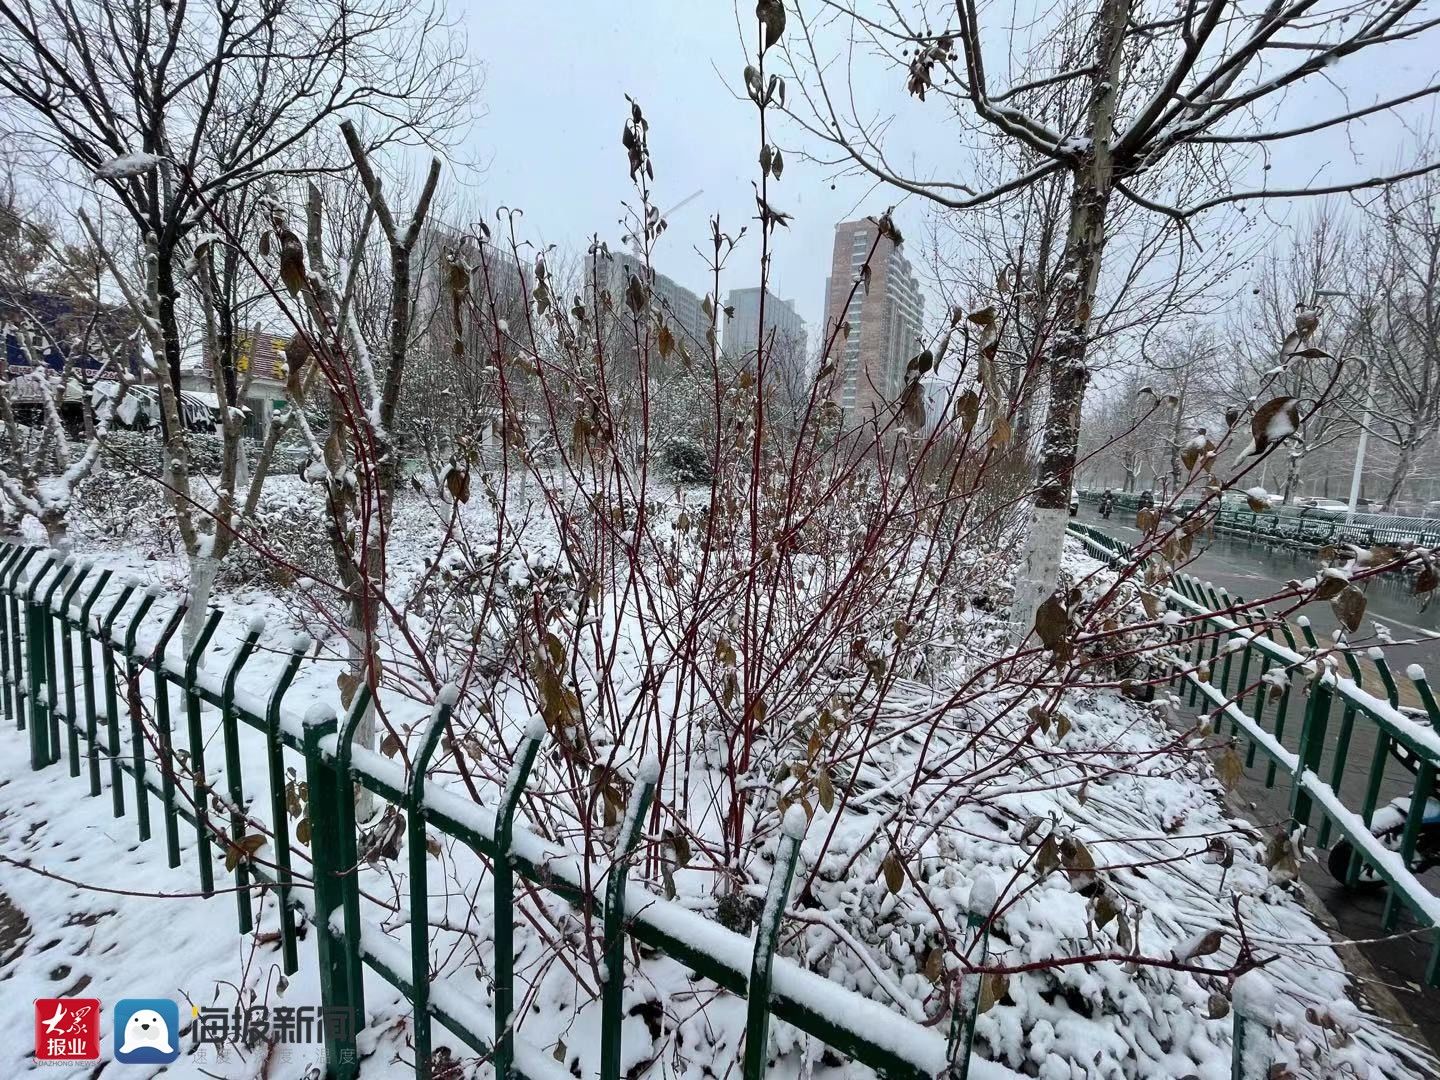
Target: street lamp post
x,y
1360,446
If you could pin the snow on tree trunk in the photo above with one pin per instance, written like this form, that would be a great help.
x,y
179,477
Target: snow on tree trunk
x,y
1089,203
1404,463
203,568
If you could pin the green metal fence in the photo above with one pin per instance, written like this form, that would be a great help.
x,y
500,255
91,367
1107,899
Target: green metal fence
x,y
1224,669
49,612
1299,527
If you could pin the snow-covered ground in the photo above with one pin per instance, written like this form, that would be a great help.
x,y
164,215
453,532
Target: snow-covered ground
x,y
1013,811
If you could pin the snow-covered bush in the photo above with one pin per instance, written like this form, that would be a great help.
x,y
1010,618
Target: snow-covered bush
x,y
141,454
687,460
284,539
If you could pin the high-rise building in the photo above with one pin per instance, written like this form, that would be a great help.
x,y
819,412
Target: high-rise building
x,y
451,375
885,319
784,331
678,305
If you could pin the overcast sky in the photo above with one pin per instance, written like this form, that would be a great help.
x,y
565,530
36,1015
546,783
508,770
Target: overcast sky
x,y
553,100
555,79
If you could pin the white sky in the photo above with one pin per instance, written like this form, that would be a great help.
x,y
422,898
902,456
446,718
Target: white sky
x,y
549,140
555,80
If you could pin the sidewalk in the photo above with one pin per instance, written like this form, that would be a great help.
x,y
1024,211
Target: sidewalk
x,y
1392,968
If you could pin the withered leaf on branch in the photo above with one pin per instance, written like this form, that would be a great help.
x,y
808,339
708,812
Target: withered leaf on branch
x,y
826,790
912,407
935,964
457,482
1426,579
1329,587
1219,852
1079,865
1273,422
635,295
771,14
1195,451
1047,857
1000,434
1103,908
1230,769
1052,622
993,987
1202,946
894,872
967,408
292,262
886,224
1349,608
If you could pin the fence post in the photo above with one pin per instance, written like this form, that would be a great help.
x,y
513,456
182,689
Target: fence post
x,y
112,707
327,792
165,757
230,726
132,705
280,818
505,898
767,937
1312,746
200,784
52,672
67,663
613,988
1253,1002
980,914
14,684
419,883
13,555
349,856
87,672
35,668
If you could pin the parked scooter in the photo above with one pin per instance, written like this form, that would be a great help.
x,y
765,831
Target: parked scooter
x,y
1388,826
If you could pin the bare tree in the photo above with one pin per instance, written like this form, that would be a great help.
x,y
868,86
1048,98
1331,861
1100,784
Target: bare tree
x,y
1153,97
1315,274
1402,339
175,110
60,341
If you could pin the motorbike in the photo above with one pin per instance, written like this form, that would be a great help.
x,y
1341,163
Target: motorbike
x,y
1388,826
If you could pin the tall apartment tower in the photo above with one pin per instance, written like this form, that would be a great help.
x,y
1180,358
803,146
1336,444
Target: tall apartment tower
x,y
681,307
784,330
885,322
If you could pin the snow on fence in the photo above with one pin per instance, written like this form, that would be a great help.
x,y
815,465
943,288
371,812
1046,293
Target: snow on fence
x,y
43,628
1301,526
1210,642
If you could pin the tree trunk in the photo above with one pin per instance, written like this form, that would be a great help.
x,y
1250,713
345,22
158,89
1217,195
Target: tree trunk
x,y
1089,203
1404,463
1292,476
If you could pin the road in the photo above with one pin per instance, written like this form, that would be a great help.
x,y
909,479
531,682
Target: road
x,y
1249,571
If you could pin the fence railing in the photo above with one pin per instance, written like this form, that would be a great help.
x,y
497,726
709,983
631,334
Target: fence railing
x,y
1301,527
50,612
1224,669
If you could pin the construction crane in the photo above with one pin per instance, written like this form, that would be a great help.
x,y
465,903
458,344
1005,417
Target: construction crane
x,y
635,243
